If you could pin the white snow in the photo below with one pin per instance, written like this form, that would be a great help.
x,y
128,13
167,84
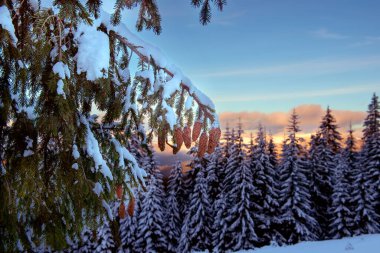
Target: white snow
x,y
171,86
170,115
92,148
108,209
146,74
188,103
124,154
98,188
359,244
93,52
62,70
6,22
60,85
76,154
29,145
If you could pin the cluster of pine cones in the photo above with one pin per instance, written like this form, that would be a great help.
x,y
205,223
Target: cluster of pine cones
x,y
207,142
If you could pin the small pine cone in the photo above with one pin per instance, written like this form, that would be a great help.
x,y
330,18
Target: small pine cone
x,y
122,210
162,138
119,191
214,138
131,206
186,135
196,130
202,147
178,137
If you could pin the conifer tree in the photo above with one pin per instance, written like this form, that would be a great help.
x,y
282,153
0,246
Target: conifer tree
x,y
215,173
87,241
296,218
367,218
151,220
371,149
272,153
174,216
128,228
264,176
235,227
341,221
324,147
105,241
196,228
61,60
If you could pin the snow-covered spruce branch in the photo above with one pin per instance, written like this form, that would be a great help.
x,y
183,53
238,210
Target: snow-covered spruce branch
x,y
208,110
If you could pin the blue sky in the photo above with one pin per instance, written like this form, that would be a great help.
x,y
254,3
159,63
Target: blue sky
x,y
267,55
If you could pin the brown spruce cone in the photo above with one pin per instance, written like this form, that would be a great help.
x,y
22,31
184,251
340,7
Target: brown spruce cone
x,y
131,206
178,138
186,136
162,138
196,130
122,210
211,141
202,147
119,191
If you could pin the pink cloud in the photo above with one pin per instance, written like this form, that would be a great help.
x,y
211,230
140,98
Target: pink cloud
x,y
310,116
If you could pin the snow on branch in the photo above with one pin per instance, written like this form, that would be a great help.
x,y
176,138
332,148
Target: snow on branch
x,y
151,54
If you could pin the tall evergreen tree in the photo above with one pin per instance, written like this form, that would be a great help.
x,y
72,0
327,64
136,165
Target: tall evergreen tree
x,y
128,227
174,215
104,239
235,227
151,234
196,228
368,211
324,147
296,217
341,222
264,176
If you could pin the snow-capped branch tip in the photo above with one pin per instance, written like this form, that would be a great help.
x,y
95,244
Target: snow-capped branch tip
x,y
208,112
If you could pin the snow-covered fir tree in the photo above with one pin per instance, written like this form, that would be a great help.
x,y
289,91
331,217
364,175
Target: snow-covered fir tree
x,y
215,173
86,244
196,228
151,234
296,216
324,147
174,197
104,238
341,222
235,227
367,217
264,176
370,156
128,227
272,153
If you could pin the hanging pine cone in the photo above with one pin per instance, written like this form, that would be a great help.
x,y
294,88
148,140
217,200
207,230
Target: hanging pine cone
x,y
196,130
131,206
178,138
119,191
202,147
122,210
162,137
186,135
213,139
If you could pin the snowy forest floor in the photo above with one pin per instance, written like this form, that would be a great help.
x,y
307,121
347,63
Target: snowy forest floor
x,y
359,244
